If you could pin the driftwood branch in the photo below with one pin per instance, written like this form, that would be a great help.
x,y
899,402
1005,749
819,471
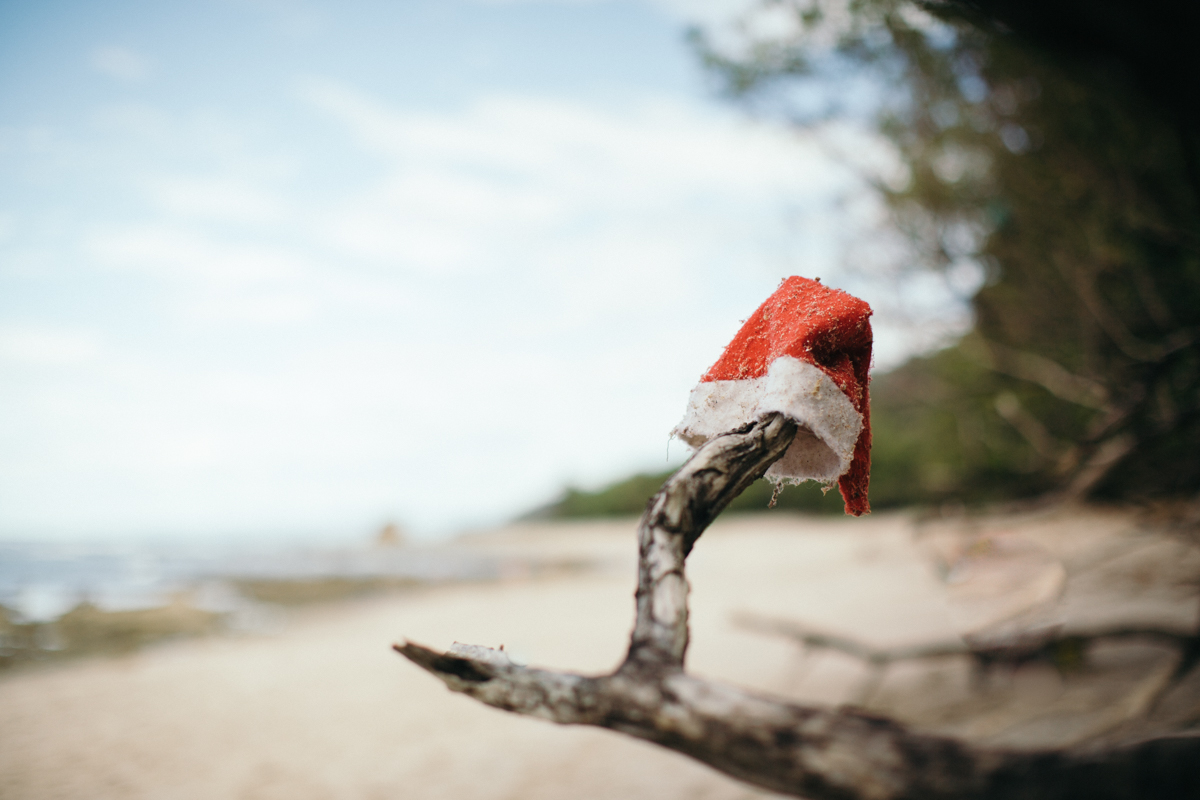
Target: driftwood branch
x,y
1049,645
840,754
1065,649
1048,374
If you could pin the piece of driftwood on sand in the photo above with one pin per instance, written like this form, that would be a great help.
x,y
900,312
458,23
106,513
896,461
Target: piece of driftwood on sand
x,y
842,754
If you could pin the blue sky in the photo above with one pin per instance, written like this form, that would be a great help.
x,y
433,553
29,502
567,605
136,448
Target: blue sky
x,y
283,268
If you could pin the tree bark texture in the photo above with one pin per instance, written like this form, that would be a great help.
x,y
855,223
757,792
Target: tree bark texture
x,y
819,753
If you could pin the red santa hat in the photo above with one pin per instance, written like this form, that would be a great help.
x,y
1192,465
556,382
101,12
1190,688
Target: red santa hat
x,y
805,353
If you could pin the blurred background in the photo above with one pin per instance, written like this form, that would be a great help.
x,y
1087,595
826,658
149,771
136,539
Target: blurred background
x,y
297,268
292,294
280,273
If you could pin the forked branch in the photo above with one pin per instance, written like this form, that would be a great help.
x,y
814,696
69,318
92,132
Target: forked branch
x,y
840,754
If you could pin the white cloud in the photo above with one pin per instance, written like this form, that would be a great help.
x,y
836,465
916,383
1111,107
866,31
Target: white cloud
x,y
690,11
658,145
120,63
263,309
47,346
175,253
218,198
511,179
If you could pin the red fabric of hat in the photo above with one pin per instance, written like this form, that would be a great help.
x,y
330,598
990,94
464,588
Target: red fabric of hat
x,y
805,352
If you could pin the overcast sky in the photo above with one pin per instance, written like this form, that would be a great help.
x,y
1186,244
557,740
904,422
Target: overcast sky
x,y
275,268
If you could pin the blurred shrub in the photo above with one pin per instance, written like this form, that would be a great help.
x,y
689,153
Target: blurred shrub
x,y
628,497
88,630
303,591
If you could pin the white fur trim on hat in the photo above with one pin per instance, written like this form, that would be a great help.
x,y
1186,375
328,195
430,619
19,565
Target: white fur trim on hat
x,y
824,445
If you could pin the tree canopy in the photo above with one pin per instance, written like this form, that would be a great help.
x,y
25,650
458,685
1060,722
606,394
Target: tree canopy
x,y
1053,146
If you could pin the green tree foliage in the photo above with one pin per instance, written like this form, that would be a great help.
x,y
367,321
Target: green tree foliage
x,y
1049,145
628,497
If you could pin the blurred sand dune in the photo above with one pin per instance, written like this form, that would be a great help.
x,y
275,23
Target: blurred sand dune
x,y
322,708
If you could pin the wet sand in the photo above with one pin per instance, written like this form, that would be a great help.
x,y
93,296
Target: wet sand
x,y
322,708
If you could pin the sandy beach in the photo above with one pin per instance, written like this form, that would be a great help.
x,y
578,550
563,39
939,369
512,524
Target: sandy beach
x,y
320,706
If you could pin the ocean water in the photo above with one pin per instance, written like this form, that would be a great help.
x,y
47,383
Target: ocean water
x,y
40,581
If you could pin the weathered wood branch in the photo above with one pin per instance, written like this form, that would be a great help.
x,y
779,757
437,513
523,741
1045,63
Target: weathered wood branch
x,y
839,754
675,517
1047,646
823,640
1065,649
1048,374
